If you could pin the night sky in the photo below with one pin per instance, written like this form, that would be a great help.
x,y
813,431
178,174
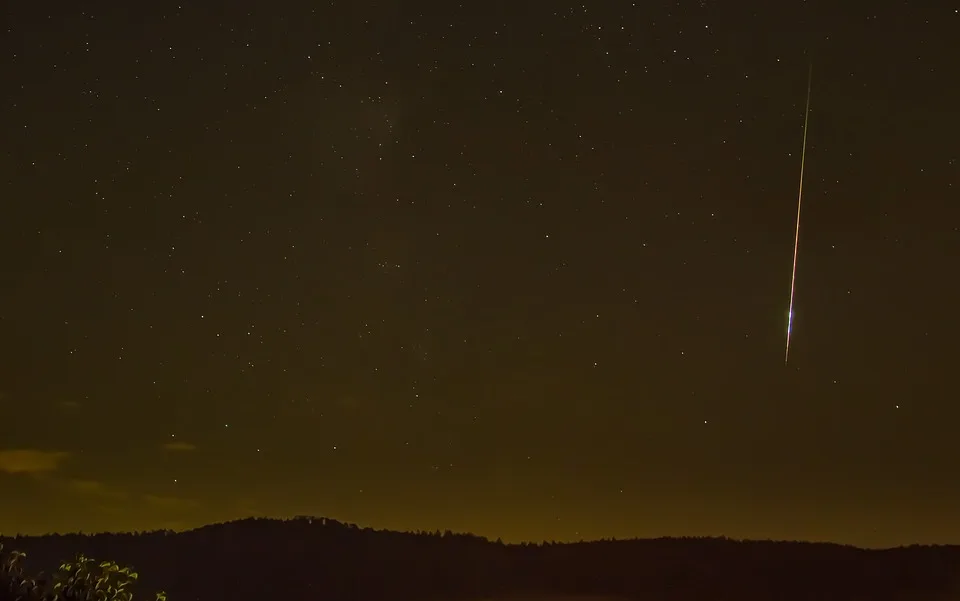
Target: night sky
x,y
517,268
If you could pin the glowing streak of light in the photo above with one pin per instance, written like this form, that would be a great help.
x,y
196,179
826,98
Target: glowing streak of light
x,y
796,239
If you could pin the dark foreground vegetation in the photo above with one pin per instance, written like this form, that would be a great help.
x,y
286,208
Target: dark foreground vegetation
x,y
318,559
82,579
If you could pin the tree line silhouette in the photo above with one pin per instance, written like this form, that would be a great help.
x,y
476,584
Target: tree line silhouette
x,y
320,559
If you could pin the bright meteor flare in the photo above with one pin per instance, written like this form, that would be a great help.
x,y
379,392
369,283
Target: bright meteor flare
x,y
796,239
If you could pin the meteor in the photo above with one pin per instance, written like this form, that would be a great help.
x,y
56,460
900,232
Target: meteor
x,y
796,239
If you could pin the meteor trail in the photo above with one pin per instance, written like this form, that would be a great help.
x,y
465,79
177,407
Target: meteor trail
x,y
796,239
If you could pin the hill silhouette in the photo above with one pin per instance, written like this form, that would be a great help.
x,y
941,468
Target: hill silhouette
x,y
322,559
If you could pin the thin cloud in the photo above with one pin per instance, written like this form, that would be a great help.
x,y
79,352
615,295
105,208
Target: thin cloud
x,y
175,503
179,446
30,461
95,488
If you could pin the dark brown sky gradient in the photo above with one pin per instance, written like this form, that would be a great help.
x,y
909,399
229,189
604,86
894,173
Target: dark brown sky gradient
x,y
500,267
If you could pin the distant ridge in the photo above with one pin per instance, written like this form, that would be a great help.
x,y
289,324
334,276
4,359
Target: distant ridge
x,y
325,521
318,558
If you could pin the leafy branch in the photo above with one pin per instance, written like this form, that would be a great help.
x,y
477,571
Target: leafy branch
x,y
83,579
